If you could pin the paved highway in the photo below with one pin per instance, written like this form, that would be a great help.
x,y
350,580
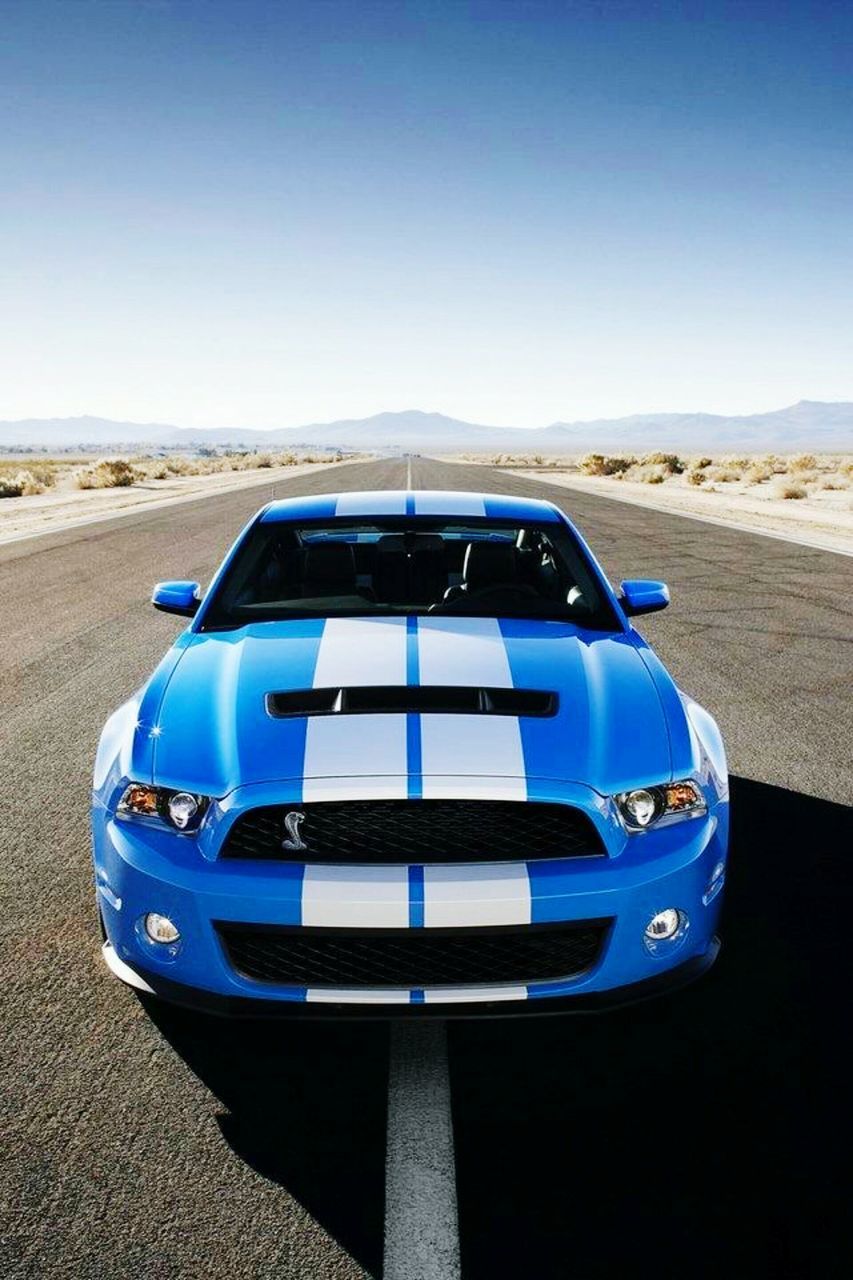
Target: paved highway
x,y
695,1134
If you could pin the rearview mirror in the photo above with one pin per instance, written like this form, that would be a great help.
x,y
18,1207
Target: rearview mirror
x,y
643,595
177,597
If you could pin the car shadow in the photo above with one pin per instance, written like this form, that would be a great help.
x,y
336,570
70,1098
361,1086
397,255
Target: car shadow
x,y
700,1133
304,1106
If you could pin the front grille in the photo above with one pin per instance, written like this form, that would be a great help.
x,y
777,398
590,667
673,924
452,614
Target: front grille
x,y
420,831
313,957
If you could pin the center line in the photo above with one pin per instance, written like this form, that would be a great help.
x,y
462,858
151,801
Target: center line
x,y
421,1223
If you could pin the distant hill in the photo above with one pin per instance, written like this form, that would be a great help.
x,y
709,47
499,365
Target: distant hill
x,y
812,425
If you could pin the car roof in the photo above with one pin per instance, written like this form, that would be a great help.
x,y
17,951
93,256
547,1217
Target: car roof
x,y
419,502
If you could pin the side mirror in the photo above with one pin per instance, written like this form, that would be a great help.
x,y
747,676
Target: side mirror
x,y
643,595
177,597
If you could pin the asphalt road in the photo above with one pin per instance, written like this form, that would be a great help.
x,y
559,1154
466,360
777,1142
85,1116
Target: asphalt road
x,y
698,1134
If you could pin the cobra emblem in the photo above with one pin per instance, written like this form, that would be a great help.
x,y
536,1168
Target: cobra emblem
x,y
293,821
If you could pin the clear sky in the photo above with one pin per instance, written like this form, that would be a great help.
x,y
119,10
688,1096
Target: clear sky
x,y
272,212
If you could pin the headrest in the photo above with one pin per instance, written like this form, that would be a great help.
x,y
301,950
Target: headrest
x,y
489,564
330,564
394,542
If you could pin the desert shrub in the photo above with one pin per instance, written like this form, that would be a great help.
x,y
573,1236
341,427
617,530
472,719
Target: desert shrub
x,y
179,466
835,482
109,473
696,476
597,464
669,461
757,473
789,489
21,484
701,463
44,475
726,475
802,462
735,462
262,460
650,475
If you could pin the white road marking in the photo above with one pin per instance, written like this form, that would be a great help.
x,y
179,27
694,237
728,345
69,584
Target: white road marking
x,y
421,1220
409,472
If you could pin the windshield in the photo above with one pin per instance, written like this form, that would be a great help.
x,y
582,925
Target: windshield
x,y
411,565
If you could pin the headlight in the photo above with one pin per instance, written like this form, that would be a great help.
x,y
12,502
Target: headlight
x,y
181,809
641,808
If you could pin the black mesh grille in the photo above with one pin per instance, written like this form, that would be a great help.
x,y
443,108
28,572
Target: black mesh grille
x,y
420,831
311,957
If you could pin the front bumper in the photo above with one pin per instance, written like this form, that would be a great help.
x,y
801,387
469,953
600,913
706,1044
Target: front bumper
x,y
591,1002
142,868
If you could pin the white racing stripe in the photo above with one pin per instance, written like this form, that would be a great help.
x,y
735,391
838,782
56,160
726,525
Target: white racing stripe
x,y
463,651
361,651
356,897
476,894
449,504
344,747
367,787
451,995
357,652
453,787
472,652
421,1218
376,503
472,744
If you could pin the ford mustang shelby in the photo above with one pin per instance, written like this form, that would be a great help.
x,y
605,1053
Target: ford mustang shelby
x,y
410,750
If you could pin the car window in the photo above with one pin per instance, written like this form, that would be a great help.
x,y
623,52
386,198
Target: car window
x,y
409,565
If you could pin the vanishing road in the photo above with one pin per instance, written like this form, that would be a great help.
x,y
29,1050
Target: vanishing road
x,y
700,1134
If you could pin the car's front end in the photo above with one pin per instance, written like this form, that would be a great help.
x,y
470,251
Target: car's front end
x,y
225,919
409,814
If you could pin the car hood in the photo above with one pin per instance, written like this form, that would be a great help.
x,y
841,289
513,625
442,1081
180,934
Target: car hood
x,y
212,730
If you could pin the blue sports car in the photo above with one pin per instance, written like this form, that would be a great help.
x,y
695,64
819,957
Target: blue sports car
x,y
409,751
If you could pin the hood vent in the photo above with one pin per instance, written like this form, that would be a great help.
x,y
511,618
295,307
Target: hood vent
x,y
399,699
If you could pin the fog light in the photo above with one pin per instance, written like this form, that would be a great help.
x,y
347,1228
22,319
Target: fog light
x,y
663,926
665,930
160,928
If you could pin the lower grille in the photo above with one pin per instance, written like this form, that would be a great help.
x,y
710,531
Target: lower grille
x,y
315,957
419,831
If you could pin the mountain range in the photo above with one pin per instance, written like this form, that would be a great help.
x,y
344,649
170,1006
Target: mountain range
x,y
817,426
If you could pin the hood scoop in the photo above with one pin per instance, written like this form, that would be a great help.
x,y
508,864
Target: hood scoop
x,y
399,699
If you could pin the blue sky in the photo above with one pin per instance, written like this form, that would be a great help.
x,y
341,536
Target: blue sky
x,y
267,214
